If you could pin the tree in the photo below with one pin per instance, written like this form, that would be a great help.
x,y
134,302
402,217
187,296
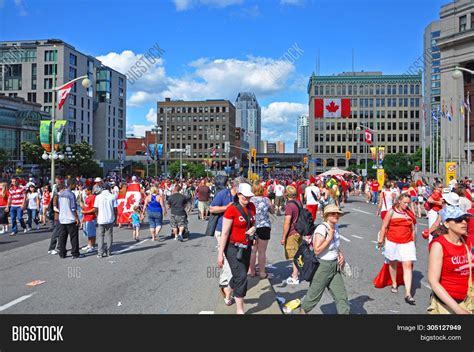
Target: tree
x,y
82,162
4,157
194,169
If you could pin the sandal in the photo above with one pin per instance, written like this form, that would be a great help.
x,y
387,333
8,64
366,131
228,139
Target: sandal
x,y
410,300
394,290
229,302
264,277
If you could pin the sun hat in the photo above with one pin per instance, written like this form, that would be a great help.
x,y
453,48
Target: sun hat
x,y
245,189
332,208
452,212
451,198
290,191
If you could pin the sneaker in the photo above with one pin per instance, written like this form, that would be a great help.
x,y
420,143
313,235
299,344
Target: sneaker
x,y
291,281
26,230
175,238
13,234
90,249
100,255
85,248
180,238
37,227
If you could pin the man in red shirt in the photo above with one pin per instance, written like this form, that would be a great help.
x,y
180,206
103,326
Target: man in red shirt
x,y
374,187
88,222
203,194
16,205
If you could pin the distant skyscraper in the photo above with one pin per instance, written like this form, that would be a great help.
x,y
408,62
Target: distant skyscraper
x,y
280,147
263,146
248,117
302,132
271,148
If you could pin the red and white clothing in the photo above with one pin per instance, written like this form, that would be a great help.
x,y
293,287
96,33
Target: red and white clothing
x,y
386,197
239,224
455,270
89,205
311,202
374,186
400,244
46,199
17,196
4,200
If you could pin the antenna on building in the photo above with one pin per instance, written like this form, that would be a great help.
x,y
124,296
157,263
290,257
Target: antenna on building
x,y
353,72
317,63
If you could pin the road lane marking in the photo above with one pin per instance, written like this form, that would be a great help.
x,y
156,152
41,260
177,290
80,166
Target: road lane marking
x,y
365,212
16,301
345,239
206,312
374,242
358,237
130,247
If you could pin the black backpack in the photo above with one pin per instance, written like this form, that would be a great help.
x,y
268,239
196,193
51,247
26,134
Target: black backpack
x,y
304,223
306,261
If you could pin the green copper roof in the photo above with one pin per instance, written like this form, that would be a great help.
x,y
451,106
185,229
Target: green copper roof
x,y
369,79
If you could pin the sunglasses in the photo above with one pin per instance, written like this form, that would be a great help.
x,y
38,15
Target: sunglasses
x,y
460,220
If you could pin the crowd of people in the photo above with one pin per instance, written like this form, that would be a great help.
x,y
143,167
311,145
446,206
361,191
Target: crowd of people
x,y
239,213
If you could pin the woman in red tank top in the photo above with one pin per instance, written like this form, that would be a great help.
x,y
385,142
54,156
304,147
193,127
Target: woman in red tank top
x,y
450,263
397,235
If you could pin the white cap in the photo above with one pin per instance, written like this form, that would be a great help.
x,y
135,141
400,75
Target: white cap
x,y
245,189
451,198
134,178
98,179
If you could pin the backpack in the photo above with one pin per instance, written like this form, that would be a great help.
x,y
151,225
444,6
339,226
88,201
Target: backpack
x,y
304,223
306,261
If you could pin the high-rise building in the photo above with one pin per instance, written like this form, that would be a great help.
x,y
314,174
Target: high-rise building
x,y
248,117
280,147
302,132
264,146
271,148
388,104
96,115
204,127
456,48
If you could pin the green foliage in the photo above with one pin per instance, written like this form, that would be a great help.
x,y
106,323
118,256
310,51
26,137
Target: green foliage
x,y
33,152
3,158
194,169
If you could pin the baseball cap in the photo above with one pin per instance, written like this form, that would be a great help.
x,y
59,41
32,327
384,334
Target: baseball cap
x,y
134,178
98,179
452,212
451,198
245,189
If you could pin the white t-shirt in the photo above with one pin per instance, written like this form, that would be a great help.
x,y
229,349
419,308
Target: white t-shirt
x,y
105,203
387,200
332,250
309,196
279,190
32,199
452,183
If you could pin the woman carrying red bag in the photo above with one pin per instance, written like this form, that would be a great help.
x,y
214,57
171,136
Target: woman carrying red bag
x,y
398,236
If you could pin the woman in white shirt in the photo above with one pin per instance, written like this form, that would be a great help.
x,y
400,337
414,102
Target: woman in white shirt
x,y
326,247
33,205
387,198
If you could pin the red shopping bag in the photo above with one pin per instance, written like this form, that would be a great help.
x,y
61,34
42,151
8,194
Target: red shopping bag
x,y
383,278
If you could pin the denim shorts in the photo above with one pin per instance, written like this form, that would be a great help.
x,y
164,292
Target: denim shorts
x,y
155,219
88,228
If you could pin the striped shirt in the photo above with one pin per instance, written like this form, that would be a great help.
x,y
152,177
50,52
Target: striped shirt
x,y
17,196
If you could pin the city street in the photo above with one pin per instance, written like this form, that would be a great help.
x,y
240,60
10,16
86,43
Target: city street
x,y
170,277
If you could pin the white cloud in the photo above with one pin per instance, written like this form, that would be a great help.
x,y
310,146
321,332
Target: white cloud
x,y
138,130
283,112
21,7
183,5
291,2
151,116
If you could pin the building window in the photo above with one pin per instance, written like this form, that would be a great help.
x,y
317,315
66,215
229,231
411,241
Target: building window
x,y
72,59
49,69
462,23
48,83
33,76
49,55
32,97
48,97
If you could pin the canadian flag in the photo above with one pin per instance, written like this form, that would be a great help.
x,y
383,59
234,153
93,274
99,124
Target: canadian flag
x,y
332,108
63,93
368,137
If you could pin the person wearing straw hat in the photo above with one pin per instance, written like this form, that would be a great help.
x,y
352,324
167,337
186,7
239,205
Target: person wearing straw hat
x,y
326,243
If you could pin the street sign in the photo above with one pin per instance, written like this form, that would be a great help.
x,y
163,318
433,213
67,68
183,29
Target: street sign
x,y
265,161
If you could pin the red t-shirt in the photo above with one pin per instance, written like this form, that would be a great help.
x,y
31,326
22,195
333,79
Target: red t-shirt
x,y
239,225
4,200
455,270
437,197
89,205
344,186
375,186
413,192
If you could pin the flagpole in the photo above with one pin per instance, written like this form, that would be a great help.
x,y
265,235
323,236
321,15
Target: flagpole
x,y
459,141
53,115
431,142
468,135
423,147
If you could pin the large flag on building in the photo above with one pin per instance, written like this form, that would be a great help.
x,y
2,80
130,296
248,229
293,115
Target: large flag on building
x,y
368,137
332,108
63,94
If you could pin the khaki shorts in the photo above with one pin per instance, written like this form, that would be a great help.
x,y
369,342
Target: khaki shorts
x,y
280,201
203,206
292,244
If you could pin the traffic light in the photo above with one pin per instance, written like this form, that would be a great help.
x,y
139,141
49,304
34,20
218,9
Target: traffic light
x,y
265,161
305,160
254,155
237,134
348,155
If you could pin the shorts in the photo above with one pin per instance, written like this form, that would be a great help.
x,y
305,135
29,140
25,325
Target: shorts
x,y
263,233
136,226
402,252
279,201
178,221
155,219
383,213
291,246
88,229
203,206
3,216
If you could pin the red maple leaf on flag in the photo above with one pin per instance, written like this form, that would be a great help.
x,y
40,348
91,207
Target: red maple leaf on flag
x,y
130,203
332,107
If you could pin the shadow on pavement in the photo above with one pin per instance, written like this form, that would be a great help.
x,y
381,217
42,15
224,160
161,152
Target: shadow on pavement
x,y
356,306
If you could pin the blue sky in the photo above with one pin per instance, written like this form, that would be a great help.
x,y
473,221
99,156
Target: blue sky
x,y
216,48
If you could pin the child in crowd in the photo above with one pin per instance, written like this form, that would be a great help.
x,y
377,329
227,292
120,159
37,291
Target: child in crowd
x,y
136,220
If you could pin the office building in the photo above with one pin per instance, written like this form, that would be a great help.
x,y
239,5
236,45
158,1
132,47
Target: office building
x,y
389,104
271,148
206,127
280,147
248,117
264,147
302,126
96,115
456,46
19,122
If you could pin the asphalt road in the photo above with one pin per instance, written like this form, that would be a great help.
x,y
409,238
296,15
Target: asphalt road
x,y
171,277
